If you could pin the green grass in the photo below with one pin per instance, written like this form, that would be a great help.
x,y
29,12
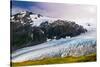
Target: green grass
x,y
57,60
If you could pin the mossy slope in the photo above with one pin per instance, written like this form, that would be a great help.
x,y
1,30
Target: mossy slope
x,y
58,60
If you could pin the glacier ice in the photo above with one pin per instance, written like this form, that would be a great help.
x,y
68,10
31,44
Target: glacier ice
x,y
81,45
56,48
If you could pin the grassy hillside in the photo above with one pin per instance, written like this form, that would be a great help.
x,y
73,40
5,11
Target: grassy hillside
x,y
58,60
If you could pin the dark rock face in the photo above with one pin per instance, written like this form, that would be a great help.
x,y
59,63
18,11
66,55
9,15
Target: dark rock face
x,y
61,29
19,34
23,34
37,35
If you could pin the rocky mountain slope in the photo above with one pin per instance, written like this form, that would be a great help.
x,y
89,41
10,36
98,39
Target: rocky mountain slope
x,y
35,37
28,28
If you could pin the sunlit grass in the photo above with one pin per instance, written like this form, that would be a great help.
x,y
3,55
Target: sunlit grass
x,y
57,60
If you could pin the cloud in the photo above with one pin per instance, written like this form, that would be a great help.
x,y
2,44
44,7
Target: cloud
x,y
69,10
15,10
64,11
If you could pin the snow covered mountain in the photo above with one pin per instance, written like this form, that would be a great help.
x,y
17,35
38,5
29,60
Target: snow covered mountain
x,y
36,19
80,45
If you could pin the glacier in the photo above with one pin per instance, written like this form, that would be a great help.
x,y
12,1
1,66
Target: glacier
x,y
56,48
81,45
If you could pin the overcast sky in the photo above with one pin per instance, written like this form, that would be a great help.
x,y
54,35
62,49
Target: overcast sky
x,y
57,10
